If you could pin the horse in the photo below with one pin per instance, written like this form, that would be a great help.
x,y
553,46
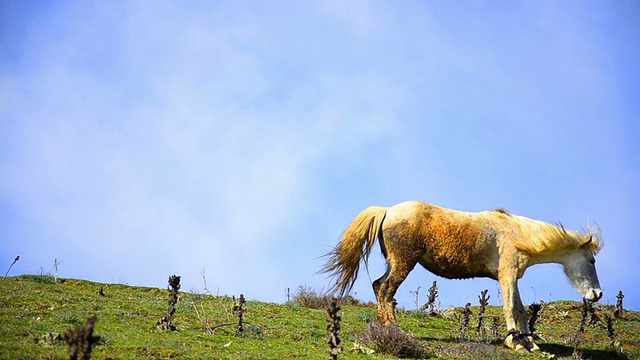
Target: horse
x,y
459,245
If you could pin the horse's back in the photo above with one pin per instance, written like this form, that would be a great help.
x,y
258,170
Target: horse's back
x,y
451,243
414,210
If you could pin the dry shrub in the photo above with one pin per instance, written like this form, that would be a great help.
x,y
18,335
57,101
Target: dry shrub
x,y
391,340
309,298
470,350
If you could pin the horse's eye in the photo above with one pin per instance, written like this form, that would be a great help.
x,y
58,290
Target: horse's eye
x,y
592,261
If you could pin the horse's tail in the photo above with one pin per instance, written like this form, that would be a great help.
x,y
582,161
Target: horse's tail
x,y
355,245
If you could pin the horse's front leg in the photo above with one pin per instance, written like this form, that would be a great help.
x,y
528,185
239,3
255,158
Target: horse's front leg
x,y
508,285
521,314
518,337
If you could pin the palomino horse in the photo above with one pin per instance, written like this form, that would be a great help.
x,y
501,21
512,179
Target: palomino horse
x,y
459,245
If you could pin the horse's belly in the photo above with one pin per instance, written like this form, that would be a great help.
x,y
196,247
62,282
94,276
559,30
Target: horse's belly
x,y
457,268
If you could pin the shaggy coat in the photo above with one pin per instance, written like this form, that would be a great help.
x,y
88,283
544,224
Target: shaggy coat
x,y
459,245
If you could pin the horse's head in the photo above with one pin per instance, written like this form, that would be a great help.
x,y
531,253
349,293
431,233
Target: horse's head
x,y
580,267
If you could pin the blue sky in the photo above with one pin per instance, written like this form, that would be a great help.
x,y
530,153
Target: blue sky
x,y
144,139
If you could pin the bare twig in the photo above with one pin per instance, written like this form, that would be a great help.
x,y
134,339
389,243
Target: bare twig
x,y
203,321
611,332
416,294
81,340
333,328
10,266
238,309
201,312
208,328
433,294
55,267
484,301
466,314
577,354
534,309
204,279
494,326
594,318
584,312
618,311
166,323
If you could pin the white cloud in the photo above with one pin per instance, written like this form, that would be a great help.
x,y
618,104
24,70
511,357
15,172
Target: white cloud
x,y
232,136
186,171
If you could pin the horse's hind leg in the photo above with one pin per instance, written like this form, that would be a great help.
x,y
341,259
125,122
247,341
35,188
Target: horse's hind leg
x,y
378,283
379,288
386,287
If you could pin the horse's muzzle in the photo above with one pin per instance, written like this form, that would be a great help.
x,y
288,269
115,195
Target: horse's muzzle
x,y
596,294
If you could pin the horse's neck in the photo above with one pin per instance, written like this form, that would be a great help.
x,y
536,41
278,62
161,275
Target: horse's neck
x,y
555,257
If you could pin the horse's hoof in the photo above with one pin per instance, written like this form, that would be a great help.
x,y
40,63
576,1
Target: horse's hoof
x,y
508,342
531,345
521,344
521,349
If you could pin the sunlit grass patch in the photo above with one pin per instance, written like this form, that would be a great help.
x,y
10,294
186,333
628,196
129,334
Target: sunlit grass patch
x,y
33,311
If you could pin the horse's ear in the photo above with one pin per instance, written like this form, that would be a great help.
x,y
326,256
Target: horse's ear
x,y
587,241
593,238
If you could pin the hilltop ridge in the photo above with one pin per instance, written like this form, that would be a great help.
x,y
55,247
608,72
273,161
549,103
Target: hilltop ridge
x,y
35,310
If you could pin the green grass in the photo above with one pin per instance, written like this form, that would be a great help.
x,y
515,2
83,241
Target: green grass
x,y
35,309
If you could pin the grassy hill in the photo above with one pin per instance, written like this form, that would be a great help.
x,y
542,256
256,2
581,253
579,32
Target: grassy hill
x,y
34,311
